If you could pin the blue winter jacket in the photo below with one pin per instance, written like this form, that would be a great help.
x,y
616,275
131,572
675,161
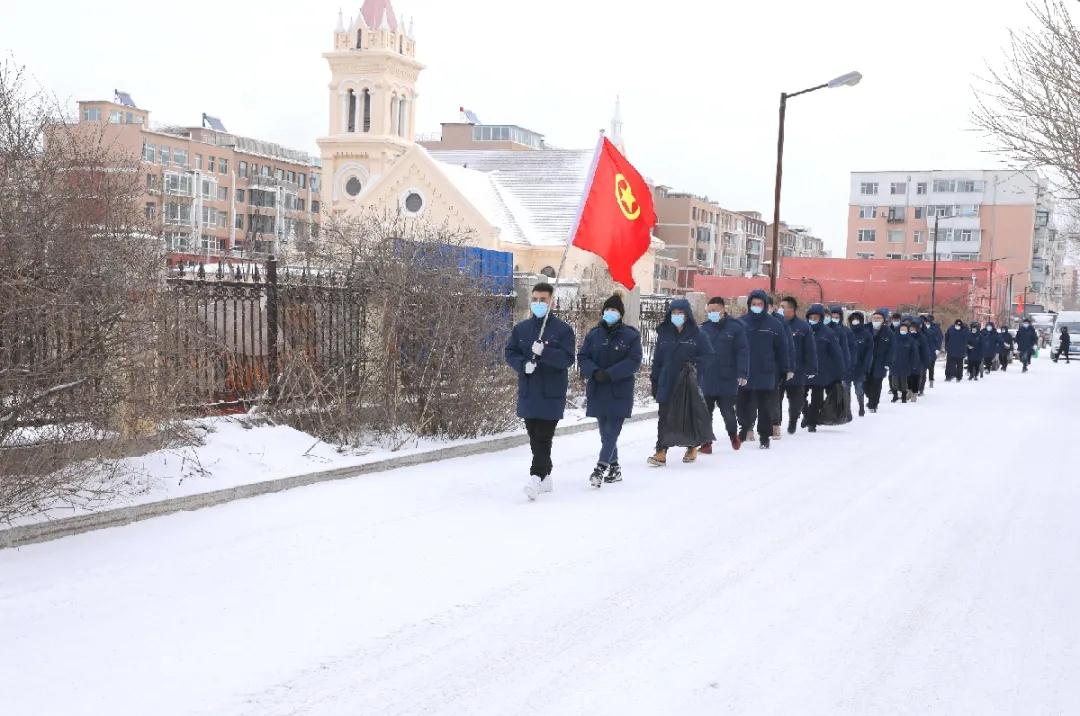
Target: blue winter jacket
x,y
974,345
769,356
934,335
830,353
989,340
674,349
905,356
922,346
956,342
1026,339
792,359
615,350
1005,342
883,346
730,360
864,351
805,357
845,349
541,395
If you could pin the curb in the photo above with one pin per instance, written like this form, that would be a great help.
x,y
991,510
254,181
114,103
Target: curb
x,y
68,526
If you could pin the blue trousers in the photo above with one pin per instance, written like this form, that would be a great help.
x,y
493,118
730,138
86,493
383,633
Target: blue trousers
x,y
610,428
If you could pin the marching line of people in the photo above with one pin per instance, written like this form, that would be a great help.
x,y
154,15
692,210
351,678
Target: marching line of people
x,y
746,366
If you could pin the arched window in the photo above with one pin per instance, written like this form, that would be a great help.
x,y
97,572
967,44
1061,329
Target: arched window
x,y
401,44
393,114
367,110
350,112
359,39
402,116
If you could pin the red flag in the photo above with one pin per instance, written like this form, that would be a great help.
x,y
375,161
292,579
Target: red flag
x,y
617,216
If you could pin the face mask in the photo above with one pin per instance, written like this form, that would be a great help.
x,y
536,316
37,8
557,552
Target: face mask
x,y
878,324
677,320
538,308
896,324
757,309
814,321
974,330
856,322
1027,325
714,316
958,326
611,316
779,314
903,331
838,321
1001,330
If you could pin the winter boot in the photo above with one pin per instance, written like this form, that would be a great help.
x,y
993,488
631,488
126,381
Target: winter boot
x,y
690,455
547,484
862,405
811,428
791,427
736,442
750,435
614,473
596,479
931,384
765,442
896,397
776,432
706,449
532,487
659,459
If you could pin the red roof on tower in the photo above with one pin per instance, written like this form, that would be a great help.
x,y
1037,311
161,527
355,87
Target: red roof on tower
x,y
373,13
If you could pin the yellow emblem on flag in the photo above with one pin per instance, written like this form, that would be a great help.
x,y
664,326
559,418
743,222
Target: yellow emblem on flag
x,y
624,195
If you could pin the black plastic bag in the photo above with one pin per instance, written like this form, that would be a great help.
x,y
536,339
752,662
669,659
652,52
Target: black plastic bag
x,y
689,423
836,408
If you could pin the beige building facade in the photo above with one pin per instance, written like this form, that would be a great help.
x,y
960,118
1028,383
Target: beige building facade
x,y
475,178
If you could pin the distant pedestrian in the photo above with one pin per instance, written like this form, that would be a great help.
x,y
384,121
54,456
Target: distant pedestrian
x,y
726,369
679,341
917,381
608,360
804,359
863,359
937,341
1026,341
769,362
989,340
830,357
1064,343
974,352
879,365
905,357
956,346
777,411
1005,347
542,365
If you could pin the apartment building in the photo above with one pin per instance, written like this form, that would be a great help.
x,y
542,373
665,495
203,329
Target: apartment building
x,y
999,216
689,226
211,194
797,241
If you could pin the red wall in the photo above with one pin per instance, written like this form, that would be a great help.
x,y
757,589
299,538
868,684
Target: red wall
x,y
869,283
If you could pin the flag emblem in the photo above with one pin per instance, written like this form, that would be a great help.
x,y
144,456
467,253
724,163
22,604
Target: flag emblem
x,y
624,194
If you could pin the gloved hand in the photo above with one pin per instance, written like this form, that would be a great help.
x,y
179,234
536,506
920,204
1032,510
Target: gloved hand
x,y
741,382
538,349
602,376
790,375
530,368
811,377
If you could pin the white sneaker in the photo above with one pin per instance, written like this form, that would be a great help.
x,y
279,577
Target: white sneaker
x,y
547,484
533,487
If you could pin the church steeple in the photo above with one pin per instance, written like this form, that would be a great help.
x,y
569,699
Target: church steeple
x,y
372,100
616,127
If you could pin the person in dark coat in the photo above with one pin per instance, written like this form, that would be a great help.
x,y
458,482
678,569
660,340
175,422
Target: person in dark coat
x,y
542,363
847,341
726,369
879,360
1064,343
864,357
937,341
956,346
804,360
769,361
974,352
781,380
608,360
904,358
989,340
1005,347
922,346
1026,340
679,341
830,358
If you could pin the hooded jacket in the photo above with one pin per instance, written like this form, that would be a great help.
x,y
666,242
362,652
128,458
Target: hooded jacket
x,y
975,343
922,345
769,357
804,358
956,342
934,335
884,339
989,338
1026,338
675,348
864,347
1005,341
830,354
847,343
541,395
905,355
730,359
617,351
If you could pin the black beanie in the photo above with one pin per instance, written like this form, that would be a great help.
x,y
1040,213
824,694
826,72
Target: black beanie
x,y
615,301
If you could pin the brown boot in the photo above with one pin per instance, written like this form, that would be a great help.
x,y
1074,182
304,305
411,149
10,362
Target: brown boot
x,y
706,449
690,455
659,459
776,432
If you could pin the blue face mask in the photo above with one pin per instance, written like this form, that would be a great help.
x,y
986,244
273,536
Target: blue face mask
x,y
757,309
827,320
611,316
538,309
896,324
677,320
714,316
813,321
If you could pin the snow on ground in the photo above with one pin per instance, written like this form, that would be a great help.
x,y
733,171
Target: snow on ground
x,y
920,561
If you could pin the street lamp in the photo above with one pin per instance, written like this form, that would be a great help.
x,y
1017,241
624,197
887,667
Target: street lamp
x,y
848,80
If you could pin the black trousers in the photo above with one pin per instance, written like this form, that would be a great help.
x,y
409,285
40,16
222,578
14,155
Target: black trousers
x,y
541,436
988,363
796,403
1063,352
1025,357
661,425
873,392
1005,357
726,403
974,367
954,367
778,405
759,403
813,410
930,369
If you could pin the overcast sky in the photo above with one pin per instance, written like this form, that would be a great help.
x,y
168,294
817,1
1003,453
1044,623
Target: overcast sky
x,y
699,81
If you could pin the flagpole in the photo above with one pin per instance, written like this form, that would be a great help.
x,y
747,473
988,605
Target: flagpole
x,y
574,228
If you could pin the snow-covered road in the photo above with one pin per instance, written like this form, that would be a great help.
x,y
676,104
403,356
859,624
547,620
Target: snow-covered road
x,y
924,560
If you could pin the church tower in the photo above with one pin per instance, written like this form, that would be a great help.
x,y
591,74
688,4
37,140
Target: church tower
x,y
372,106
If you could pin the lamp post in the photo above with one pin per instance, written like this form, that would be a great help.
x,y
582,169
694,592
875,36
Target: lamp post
x,y
849,80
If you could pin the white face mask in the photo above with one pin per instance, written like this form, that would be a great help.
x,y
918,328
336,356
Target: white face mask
x,y
878,324
856,322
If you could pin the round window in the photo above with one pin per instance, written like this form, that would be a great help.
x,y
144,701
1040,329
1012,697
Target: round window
x,y
414,203
353,186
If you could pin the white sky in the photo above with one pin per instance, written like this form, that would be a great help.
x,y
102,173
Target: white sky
x,y
700,81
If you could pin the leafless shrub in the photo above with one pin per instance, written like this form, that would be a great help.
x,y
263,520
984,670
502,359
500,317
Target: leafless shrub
x,y
80,308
